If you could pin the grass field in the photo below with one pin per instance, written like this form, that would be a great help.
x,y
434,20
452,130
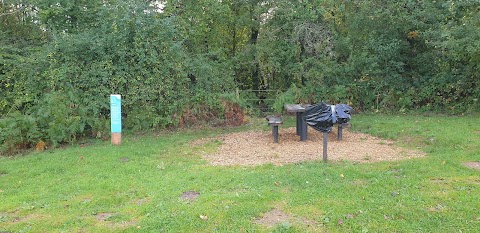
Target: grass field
x,y
138,187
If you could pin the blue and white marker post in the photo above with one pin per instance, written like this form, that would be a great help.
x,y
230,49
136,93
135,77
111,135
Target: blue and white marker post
x,y
116,118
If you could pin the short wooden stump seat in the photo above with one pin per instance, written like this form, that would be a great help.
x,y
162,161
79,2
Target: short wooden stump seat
x,y
274,121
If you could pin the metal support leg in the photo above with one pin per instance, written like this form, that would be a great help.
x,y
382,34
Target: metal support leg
x,y
299,123
275,133
325,143
303,131
340,129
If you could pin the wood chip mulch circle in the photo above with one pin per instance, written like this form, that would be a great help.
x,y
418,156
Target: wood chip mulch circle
x,y
253,148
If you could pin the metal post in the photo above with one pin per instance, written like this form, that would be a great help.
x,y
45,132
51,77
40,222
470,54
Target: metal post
x,y
275,133
325,143
340,129
299,123
303,131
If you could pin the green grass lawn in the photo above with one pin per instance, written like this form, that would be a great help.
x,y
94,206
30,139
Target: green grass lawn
x,y
137,187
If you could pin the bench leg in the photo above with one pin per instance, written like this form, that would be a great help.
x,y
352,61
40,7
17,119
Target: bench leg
x,y
303,131
299,123
275,133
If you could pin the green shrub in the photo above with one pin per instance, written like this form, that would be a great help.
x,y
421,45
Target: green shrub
x,y
57,118
18,131
213,109
292,95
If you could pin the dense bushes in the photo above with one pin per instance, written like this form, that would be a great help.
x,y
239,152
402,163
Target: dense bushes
x,y
388,55
54,120
181,64
59,92
216,110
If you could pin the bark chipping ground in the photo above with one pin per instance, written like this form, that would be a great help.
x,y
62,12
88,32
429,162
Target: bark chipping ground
x,y
253,148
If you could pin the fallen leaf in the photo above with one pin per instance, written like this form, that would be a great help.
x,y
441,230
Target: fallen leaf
x,y
386,217
349,216
341,175
340,222
203,217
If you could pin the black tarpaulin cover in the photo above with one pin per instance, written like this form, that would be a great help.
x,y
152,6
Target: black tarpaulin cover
x,y
343,112
322,116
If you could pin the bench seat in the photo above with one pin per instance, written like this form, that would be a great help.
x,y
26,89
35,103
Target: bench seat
x,y
274,121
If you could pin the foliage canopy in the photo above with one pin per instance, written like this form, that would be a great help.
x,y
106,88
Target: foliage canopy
x,y
60,59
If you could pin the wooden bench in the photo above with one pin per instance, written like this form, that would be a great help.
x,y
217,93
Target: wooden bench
x,y
274,121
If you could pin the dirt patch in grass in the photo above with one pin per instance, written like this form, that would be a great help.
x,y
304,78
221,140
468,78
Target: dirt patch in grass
x,y
360,182
141,201
4,217
27,218
474,165
276,216
439,180
108,219
190,196
256,147
436,208
103,216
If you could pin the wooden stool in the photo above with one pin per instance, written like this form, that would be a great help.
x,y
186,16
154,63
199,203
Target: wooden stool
x,y
274,121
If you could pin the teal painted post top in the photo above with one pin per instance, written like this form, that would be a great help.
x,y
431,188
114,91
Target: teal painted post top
x,y
116,113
